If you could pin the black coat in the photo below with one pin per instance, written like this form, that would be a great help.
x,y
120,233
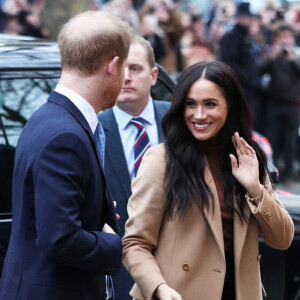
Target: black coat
x,y
235,50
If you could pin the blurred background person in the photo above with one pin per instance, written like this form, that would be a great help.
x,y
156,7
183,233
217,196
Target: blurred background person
x,y
236,51
23,17
195,47
124,9
283,111
221,20
151,31
169,21
259,44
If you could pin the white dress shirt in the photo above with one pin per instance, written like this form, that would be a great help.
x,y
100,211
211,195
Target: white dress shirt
x,y
128,131
85,108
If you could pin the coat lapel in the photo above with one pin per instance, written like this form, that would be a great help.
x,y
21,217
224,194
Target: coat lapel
x,y
240,231
213,218
215,222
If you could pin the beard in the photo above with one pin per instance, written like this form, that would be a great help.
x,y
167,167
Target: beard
x,y
112,91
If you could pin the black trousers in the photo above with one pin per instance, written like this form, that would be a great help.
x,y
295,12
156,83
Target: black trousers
x,y
229,284
283,122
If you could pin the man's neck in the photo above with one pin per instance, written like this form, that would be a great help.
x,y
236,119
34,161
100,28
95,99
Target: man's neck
x,y
83,86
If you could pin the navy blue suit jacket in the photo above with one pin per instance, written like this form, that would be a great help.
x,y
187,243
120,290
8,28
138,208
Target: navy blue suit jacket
x,y
119,181
60,204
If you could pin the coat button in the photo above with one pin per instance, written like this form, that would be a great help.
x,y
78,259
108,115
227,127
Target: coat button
x,y
185,267
258,257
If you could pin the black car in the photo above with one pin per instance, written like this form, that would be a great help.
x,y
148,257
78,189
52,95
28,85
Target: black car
x,y
29,70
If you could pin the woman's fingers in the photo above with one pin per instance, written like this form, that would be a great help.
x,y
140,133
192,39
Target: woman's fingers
x,y
239,143
241,146
233,160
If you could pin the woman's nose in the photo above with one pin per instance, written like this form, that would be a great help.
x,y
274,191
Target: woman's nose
x,y
200,113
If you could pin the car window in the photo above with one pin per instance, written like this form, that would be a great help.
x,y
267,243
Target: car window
x,y
19,99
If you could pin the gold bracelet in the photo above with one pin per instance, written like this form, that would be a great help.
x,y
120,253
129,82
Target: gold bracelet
x,y
257,198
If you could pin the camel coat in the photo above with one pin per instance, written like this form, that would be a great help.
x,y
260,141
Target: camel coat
x,y
189,255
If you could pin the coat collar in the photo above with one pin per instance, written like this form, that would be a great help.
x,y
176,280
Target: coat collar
x,y
63,101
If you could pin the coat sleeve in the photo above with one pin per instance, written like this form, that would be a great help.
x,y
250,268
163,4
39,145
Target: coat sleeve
x,y
60,177
275,224
146,211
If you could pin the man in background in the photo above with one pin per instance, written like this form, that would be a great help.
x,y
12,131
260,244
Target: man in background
x,y
132,126
63,242
283,106
236,51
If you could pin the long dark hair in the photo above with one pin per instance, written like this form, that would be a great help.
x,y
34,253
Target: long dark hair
x,y
184,176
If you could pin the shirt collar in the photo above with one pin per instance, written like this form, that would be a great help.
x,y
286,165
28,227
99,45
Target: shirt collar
x,y
123,118
85,108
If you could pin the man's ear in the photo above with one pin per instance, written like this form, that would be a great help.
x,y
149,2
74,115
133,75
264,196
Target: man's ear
x,y
112,65
154,74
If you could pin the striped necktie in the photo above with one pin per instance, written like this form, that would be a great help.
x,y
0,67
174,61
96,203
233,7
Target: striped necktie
x,y
100,139
141,143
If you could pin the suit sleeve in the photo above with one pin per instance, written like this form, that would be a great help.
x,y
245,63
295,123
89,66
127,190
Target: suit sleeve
x,y
275,224
146,211
61,174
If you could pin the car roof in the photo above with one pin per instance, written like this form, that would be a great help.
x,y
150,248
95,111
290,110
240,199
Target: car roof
x,y
24,53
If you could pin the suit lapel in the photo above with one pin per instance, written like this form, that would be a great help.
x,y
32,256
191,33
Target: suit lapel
x,y
214,219
115,153
159,114
69,106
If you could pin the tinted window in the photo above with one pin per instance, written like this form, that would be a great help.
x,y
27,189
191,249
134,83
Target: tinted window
x,y
19,98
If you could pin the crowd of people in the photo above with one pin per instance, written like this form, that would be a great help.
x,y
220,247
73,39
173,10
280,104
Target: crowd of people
x,y
183,184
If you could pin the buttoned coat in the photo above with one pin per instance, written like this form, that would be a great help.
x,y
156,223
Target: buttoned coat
x,y
189,255
57,249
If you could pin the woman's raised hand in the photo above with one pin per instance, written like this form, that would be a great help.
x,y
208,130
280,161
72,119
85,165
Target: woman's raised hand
x,y
164,292
245,166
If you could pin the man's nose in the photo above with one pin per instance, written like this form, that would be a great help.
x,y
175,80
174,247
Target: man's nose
x,y
127,74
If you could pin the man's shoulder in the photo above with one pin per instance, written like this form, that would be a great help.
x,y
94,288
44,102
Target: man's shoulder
x,y
161,104
106,115
229,36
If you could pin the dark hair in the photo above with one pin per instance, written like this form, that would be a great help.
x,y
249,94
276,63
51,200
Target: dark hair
x,y
282,28
184,177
